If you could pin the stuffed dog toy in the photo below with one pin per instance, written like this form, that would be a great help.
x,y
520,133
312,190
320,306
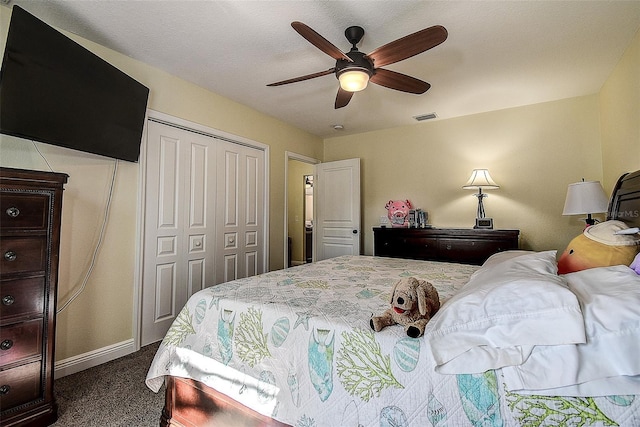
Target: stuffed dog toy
x,y
413,302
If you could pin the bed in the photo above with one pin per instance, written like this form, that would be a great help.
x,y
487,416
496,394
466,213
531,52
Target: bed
x,y
294,347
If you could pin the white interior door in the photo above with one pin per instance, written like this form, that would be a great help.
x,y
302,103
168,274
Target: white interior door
x,y
337,206
179,222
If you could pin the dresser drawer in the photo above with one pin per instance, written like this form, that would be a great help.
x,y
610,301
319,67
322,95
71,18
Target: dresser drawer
x,y
21,299
20,341
23,211
469,251
419,247
20,385
407,247
22,254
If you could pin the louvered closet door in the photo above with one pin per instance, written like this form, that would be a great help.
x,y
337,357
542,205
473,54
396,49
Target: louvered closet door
x,y
241,212
180,205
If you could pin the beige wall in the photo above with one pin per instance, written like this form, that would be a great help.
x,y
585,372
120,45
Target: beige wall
x,y
103,313
620,116
532,152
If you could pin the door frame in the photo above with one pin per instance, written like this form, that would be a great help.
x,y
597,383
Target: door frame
x,y
290,155
141,208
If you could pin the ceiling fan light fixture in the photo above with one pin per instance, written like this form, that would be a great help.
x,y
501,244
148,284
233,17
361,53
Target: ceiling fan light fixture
x,y
353,80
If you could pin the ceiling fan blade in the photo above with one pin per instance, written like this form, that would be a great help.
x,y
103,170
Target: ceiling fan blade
x,y
318,41
343,98
307,77
399,81
408,46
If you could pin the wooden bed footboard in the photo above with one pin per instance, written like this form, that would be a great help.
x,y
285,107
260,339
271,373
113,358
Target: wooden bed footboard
x,y
189,403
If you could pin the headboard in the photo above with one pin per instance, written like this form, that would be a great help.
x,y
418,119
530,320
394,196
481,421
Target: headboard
x,y
625,200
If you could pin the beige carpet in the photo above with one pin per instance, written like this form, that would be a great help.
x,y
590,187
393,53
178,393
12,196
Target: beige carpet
x,y
110,395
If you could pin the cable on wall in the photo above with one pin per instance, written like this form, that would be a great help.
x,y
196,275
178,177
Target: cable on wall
x,y
98,245
43,157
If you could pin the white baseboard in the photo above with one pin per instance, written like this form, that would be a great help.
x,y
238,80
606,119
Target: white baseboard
x,y
93,358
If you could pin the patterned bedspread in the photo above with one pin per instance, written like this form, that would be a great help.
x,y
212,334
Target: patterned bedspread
x,y
296,345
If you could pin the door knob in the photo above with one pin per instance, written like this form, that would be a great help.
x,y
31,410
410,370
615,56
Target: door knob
x,y
355,231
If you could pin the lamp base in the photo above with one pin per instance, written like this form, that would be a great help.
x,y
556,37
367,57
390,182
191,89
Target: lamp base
x,y
484,223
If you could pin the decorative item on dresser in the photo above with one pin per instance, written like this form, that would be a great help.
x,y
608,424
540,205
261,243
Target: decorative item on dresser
x,y
480,179
469,246
30,217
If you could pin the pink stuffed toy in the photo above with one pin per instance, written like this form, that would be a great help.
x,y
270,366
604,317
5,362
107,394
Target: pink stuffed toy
x,y
398,212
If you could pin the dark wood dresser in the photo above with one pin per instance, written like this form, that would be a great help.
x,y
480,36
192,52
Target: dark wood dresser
x,y
30,215
464,245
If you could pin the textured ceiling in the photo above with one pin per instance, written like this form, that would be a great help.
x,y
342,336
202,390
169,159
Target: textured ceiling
x,y
499,54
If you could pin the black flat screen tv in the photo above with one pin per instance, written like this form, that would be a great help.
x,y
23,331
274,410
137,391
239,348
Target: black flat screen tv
x,y
55,91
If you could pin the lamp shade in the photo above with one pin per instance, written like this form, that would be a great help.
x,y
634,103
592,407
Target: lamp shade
x,y
480,178
585,197
353,80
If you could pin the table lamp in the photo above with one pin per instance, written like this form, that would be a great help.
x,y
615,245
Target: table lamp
x,y
585,197
480,179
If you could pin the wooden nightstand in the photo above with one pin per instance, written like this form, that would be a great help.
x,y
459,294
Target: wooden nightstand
x,y
464,245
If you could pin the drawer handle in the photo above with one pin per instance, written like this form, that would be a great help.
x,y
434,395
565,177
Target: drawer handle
x,y
13,212
4,389
448,247
8,300
10,256
6,345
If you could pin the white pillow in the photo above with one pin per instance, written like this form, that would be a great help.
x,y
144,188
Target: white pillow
x,y
609,362
502,313
499,257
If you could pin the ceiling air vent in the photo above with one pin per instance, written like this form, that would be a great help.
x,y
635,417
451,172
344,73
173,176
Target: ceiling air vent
x,y
424,117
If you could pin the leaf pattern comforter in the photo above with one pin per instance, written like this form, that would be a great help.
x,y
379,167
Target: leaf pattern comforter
x,y
296,345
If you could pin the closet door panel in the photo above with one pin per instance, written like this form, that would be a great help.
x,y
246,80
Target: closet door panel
x,y
199,230
179,224
163,239
164,303
230,190
198,183
230,267
168,184
251,263
251,191
241,181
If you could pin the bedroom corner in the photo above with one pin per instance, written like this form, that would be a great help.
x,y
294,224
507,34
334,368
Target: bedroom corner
x,y
619,112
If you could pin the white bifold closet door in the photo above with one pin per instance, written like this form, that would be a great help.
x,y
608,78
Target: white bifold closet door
x,y
240,222
204,219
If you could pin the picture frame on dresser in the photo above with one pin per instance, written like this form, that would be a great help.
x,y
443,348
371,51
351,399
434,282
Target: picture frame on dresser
x,y
30,221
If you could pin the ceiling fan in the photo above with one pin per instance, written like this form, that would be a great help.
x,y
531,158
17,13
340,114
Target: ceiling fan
x,y
354,69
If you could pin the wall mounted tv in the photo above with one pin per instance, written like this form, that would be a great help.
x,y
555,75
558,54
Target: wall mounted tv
x,y
55,91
